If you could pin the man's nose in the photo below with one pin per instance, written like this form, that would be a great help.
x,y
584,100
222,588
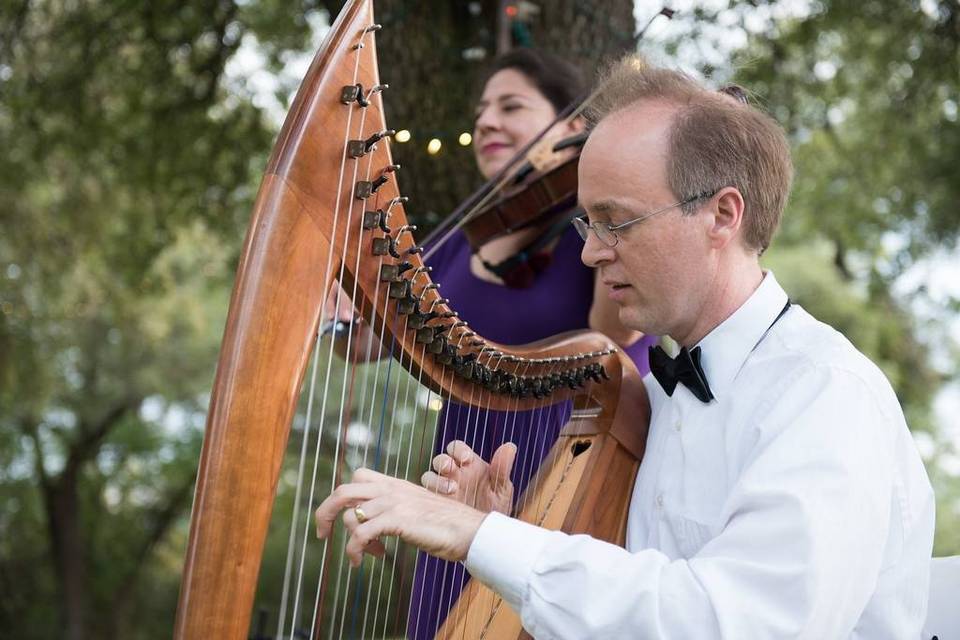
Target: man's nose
x,y
594,252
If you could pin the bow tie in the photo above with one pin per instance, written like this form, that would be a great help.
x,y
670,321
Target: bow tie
x,y
684,368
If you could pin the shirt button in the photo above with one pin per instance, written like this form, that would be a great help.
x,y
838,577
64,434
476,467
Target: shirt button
x,y
677,425
660,500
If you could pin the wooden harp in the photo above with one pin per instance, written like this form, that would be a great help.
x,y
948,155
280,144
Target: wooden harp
x,y
327,198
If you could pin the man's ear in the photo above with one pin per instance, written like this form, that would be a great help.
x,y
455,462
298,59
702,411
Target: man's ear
x,y
727,215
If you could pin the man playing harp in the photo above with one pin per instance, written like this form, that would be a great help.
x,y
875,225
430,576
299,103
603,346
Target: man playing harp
x,y
780,495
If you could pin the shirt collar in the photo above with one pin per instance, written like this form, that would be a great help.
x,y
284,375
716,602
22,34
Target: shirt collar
x,y
726,348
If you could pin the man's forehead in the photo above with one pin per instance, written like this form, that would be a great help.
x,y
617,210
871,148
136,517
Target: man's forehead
x,y
641,120
637,135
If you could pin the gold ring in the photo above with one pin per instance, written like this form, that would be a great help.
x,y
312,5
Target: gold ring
x,y
361,516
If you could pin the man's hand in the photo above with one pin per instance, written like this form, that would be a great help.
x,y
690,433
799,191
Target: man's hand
x,y
462,474
391,507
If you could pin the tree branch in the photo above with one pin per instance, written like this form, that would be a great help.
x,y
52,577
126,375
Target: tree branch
x,y
92,436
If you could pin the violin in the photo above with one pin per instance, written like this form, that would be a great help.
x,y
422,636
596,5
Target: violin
x,y
540,181
539,190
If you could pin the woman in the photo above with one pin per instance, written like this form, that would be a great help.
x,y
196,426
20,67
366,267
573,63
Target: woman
x,y
514,301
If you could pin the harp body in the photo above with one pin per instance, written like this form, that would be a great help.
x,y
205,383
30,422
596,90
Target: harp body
x,y
308,229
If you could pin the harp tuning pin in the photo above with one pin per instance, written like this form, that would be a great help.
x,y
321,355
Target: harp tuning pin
x,y
359,148
376,184
373,27
372,220
351,93
428,287
407,227
392,168
420,270
363,189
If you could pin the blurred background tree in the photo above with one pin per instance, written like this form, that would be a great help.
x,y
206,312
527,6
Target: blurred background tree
x,y
131,157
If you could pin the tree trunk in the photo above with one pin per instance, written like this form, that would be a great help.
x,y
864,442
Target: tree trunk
x,y
427,54
67,544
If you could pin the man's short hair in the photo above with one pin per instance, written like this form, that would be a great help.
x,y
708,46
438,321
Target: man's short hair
x,y
717,139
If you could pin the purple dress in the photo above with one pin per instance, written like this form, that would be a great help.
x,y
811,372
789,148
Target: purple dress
x,y
559,300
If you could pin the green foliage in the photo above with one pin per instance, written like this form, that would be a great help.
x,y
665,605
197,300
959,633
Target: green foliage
x,y
869,92
126,179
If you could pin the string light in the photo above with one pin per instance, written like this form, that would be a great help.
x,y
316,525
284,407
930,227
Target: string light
x,y
465,139
433,147
402,136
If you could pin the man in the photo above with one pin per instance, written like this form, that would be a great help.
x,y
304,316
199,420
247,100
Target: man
x,y
780,495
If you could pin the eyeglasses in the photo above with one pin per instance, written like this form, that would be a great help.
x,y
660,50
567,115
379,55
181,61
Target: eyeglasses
x,y
607,233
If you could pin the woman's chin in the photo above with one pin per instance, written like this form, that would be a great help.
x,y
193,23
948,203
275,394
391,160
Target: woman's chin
x,y
492,162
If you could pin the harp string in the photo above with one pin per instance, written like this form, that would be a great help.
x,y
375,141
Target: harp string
x,y
393,437
308,421
352,366
476,437
544,440
349,359
325,397
380,361
406,474
447,409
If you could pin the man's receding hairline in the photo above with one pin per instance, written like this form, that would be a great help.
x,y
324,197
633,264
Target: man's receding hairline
x,y
674,107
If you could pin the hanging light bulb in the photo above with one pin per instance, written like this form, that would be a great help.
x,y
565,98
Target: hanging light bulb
x,y
402,136
433,147
465,139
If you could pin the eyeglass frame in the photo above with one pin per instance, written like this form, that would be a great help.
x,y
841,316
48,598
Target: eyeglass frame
x,y
583,227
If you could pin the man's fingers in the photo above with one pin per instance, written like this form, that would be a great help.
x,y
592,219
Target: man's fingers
x,y
501,465
369,475
460,452
346,495
438,484
442,463
364,539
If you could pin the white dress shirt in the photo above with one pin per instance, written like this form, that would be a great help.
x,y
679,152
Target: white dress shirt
x,y
793,505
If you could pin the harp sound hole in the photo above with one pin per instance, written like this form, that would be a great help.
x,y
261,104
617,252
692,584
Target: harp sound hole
x,y
579,447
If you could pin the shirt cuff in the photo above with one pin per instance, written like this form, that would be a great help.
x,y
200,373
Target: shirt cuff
x,y
503,553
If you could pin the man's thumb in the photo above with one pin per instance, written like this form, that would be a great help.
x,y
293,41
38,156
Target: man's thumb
x,y
501,464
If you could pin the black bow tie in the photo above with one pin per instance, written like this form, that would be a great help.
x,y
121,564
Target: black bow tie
x,y
684,368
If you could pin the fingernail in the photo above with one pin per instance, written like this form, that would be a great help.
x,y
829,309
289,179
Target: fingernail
x,y
451,486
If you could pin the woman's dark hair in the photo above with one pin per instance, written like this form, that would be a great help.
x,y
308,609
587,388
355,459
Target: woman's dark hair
x,y
559,81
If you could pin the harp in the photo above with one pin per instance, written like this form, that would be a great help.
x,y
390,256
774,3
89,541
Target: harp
x,y
329,209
